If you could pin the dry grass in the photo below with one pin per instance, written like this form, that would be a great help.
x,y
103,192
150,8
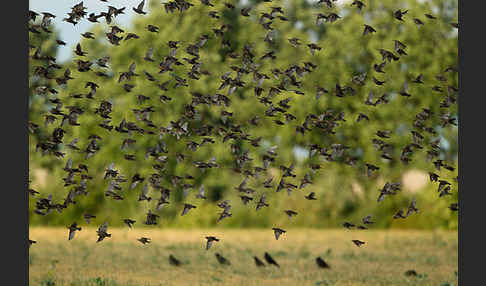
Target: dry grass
x,y
121,260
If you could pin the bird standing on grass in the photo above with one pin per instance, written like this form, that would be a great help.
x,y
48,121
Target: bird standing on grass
x,y
270,259
222,260
321,263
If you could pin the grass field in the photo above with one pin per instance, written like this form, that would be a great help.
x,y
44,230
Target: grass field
x,y
123,261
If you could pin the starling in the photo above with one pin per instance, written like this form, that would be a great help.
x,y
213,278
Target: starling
x,y
278,232
200,193
31,242
311,196
139,9
144,240
72,230
88,217
399,14
321,263
368,30
187,208
290,213
399,214
102,234
270,260
411,273
128,222
367,220
454,207
412,208
210,240
358,4
174,261
222,260
357,242
258,262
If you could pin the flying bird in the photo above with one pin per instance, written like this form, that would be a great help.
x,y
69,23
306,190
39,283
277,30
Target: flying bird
x,y
139,9
278,232
358,242
72,230
210,240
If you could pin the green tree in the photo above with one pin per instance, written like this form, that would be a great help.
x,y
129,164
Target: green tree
x,y
346,53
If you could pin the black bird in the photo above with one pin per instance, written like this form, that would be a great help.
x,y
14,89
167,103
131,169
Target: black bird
x,y
278,232
418,79
348,225
144,240
258,262
246,199
311,196
362,116
367,220
412,208
270,260
200,193
78,51
129,222
149,55
174,261
152,28
368,30
378,82
102,234
210,240
222,260
321,263
411,272
262,202
371,168
151,218
187,208
31,242
399,14
72,230
454,207
433,177
445,191
290,213
88,217
399,214
358,242
358,4
245,11
207,3
418,22
144,194
139,9
33,192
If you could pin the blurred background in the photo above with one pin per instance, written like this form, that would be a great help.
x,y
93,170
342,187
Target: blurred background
x,y
344,192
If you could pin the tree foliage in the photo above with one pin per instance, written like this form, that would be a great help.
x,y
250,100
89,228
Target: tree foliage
x,y
345,54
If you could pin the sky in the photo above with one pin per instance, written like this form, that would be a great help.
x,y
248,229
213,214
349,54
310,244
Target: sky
x,y
72,34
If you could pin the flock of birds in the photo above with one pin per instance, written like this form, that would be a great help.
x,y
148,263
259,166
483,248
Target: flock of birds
x,y
189,126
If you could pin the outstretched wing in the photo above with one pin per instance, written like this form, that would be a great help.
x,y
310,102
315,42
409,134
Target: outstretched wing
x,y
140,6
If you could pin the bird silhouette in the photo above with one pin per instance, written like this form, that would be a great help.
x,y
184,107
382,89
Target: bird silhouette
x,y
270,259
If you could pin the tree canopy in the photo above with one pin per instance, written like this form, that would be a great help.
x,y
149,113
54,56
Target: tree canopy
x,y
326,90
